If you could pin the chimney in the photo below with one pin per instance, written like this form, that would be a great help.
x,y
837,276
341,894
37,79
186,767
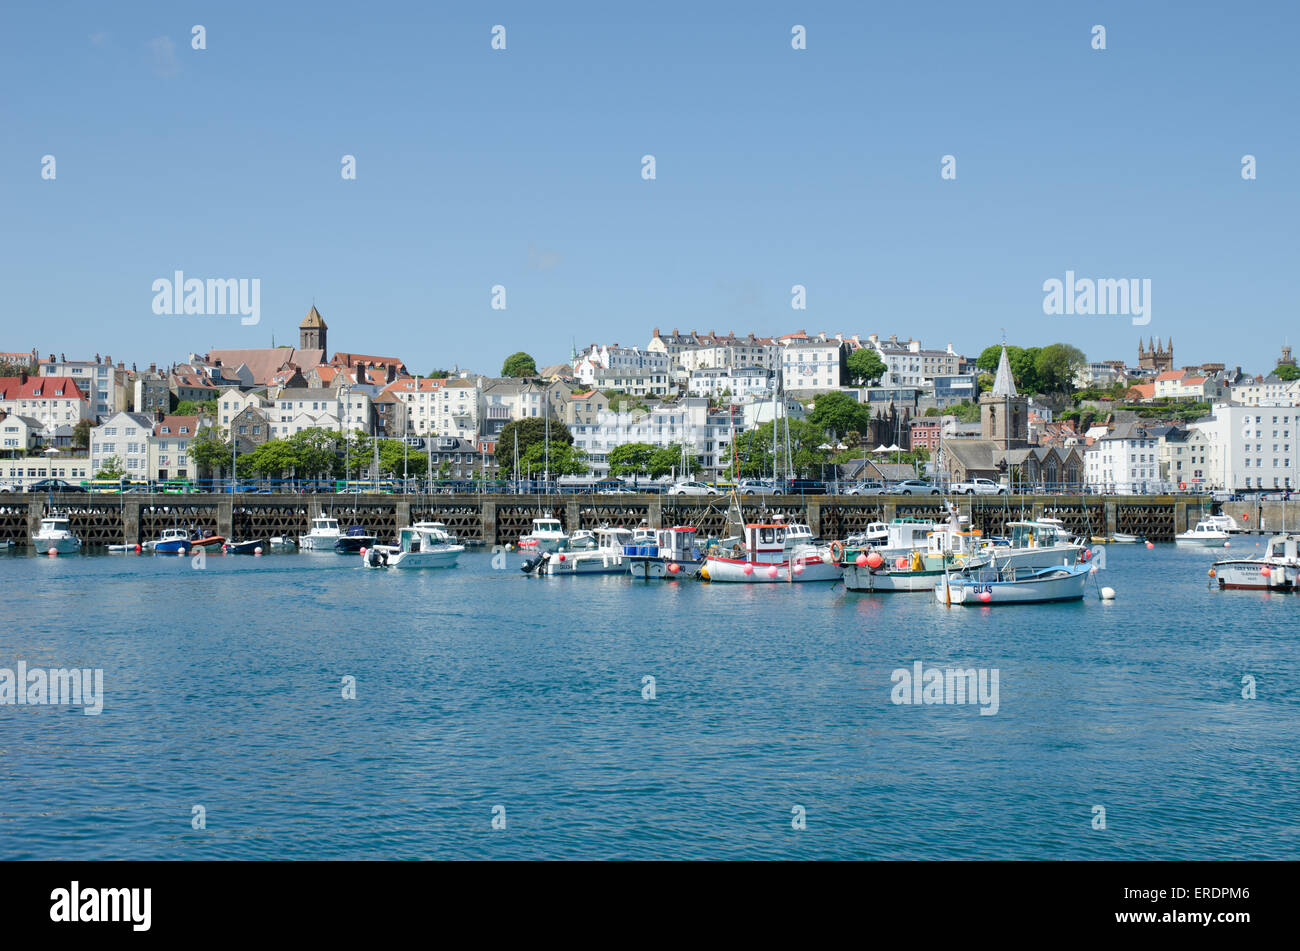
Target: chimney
x,y
157,416
22,376
153,368
391,373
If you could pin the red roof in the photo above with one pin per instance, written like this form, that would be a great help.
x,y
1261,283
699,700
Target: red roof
x,y
40,387
174,425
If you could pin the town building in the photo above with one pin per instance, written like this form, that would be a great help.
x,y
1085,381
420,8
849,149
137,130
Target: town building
x,y
1155,357
106,386
53,401
125,437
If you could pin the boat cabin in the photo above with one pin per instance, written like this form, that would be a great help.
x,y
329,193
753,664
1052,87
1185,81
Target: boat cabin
x,y
677,544
954,544
1284,547
323,524
1044,533
766,538
547,526
55,524
613,539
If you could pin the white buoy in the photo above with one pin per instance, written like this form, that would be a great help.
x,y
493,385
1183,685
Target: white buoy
x,y
257,550
52,552
1108,594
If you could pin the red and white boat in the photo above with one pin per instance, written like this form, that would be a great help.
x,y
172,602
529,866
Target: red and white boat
x,y
1278,569
773,552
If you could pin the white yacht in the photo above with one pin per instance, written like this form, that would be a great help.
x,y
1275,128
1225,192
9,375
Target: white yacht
x,y
1278,569
607,558
324,533
56,534
1206,533
1041,543
422,545
547,535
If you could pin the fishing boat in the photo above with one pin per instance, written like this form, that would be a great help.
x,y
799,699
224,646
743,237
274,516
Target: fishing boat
x,y
673,554
353,540
171,541
547,535
55,534
422,545
208,542
252,546
323,534
582,540
902,536
772,551
992,586
1206,533
607,558
868,570
1278,569
1041,543
281,541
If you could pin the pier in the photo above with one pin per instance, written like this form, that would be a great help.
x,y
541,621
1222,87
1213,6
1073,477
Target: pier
x,y
478,519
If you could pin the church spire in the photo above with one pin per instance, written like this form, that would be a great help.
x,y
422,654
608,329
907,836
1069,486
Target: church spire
x,y
1003,384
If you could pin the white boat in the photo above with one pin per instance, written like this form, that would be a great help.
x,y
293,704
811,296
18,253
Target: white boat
x,y
169,542
770,552
324,533
1206,534
1041,543
1225,523
902,536
607,558
673,553
582,540
547,535
1278,569
281,541
868,570
422,545
56,534
986,585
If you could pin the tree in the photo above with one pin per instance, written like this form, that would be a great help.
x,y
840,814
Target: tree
x,y
562,459
81,434
865,365
112,469
668,459
519,364
839,413
531,429
1056,364
209,451
313,451
1287,372
631,459
753,450
1023,363
437,374
196,408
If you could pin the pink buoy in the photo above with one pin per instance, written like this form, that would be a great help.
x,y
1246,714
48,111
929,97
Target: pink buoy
x,y
860,560
798,569
1151,544
749,569
1265,571
257,550
1227,544
1087,553
986,597
53,552
363,551
673,568
771,572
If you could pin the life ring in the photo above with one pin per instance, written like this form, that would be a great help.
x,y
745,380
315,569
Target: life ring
x,y
837,550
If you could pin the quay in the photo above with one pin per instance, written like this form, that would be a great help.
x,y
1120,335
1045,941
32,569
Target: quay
x,y
492,519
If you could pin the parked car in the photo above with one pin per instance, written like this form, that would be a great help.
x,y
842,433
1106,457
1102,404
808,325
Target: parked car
x,y
691,488
758,487
914,487
9,487
53,485
806,487
869,487
978,487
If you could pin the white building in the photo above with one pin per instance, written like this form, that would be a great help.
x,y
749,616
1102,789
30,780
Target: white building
x,y
1124,461
1254,447
909,364
53,401
347,408
232,402
106,387
735,382
1268,391
169,446
814,365
125,437
19,433
684,422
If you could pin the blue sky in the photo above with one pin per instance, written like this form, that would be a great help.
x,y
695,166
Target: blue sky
x,y
522,167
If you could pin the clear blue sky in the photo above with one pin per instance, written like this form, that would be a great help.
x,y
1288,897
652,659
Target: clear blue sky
x,y
522,168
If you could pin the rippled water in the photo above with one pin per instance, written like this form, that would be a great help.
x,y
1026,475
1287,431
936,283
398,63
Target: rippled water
x,y
479,688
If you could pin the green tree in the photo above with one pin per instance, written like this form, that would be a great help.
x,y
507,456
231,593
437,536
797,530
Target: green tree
x,y
312,451
1023,363
753,450
1286,371
562,459
531,429
273,458
865,365
1055,365
444,469
196,408
519,364
839,413
209,451
80,434
631,459
112,469
668,459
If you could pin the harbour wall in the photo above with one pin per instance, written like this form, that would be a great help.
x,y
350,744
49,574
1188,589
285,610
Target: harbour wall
x,y
1265,516
104,519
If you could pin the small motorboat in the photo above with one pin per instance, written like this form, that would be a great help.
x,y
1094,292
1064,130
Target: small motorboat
x,y
422,545
208,542
55,535
582,540
252,546
353,540
547,535
1207,534
282,541
673,553
171,541
323,534
1278,569
606,558
990,586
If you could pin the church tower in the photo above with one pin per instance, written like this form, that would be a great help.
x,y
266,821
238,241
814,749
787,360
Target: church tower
x,y
311,332
1004,413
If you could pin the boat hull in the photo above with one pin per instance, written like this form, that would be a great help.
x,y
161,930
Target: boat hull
x,y
351,544
811,568
650,569
1066,586
1247,575
1030,559
317,542
244,548
391,557
885,580
64,546
586,563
